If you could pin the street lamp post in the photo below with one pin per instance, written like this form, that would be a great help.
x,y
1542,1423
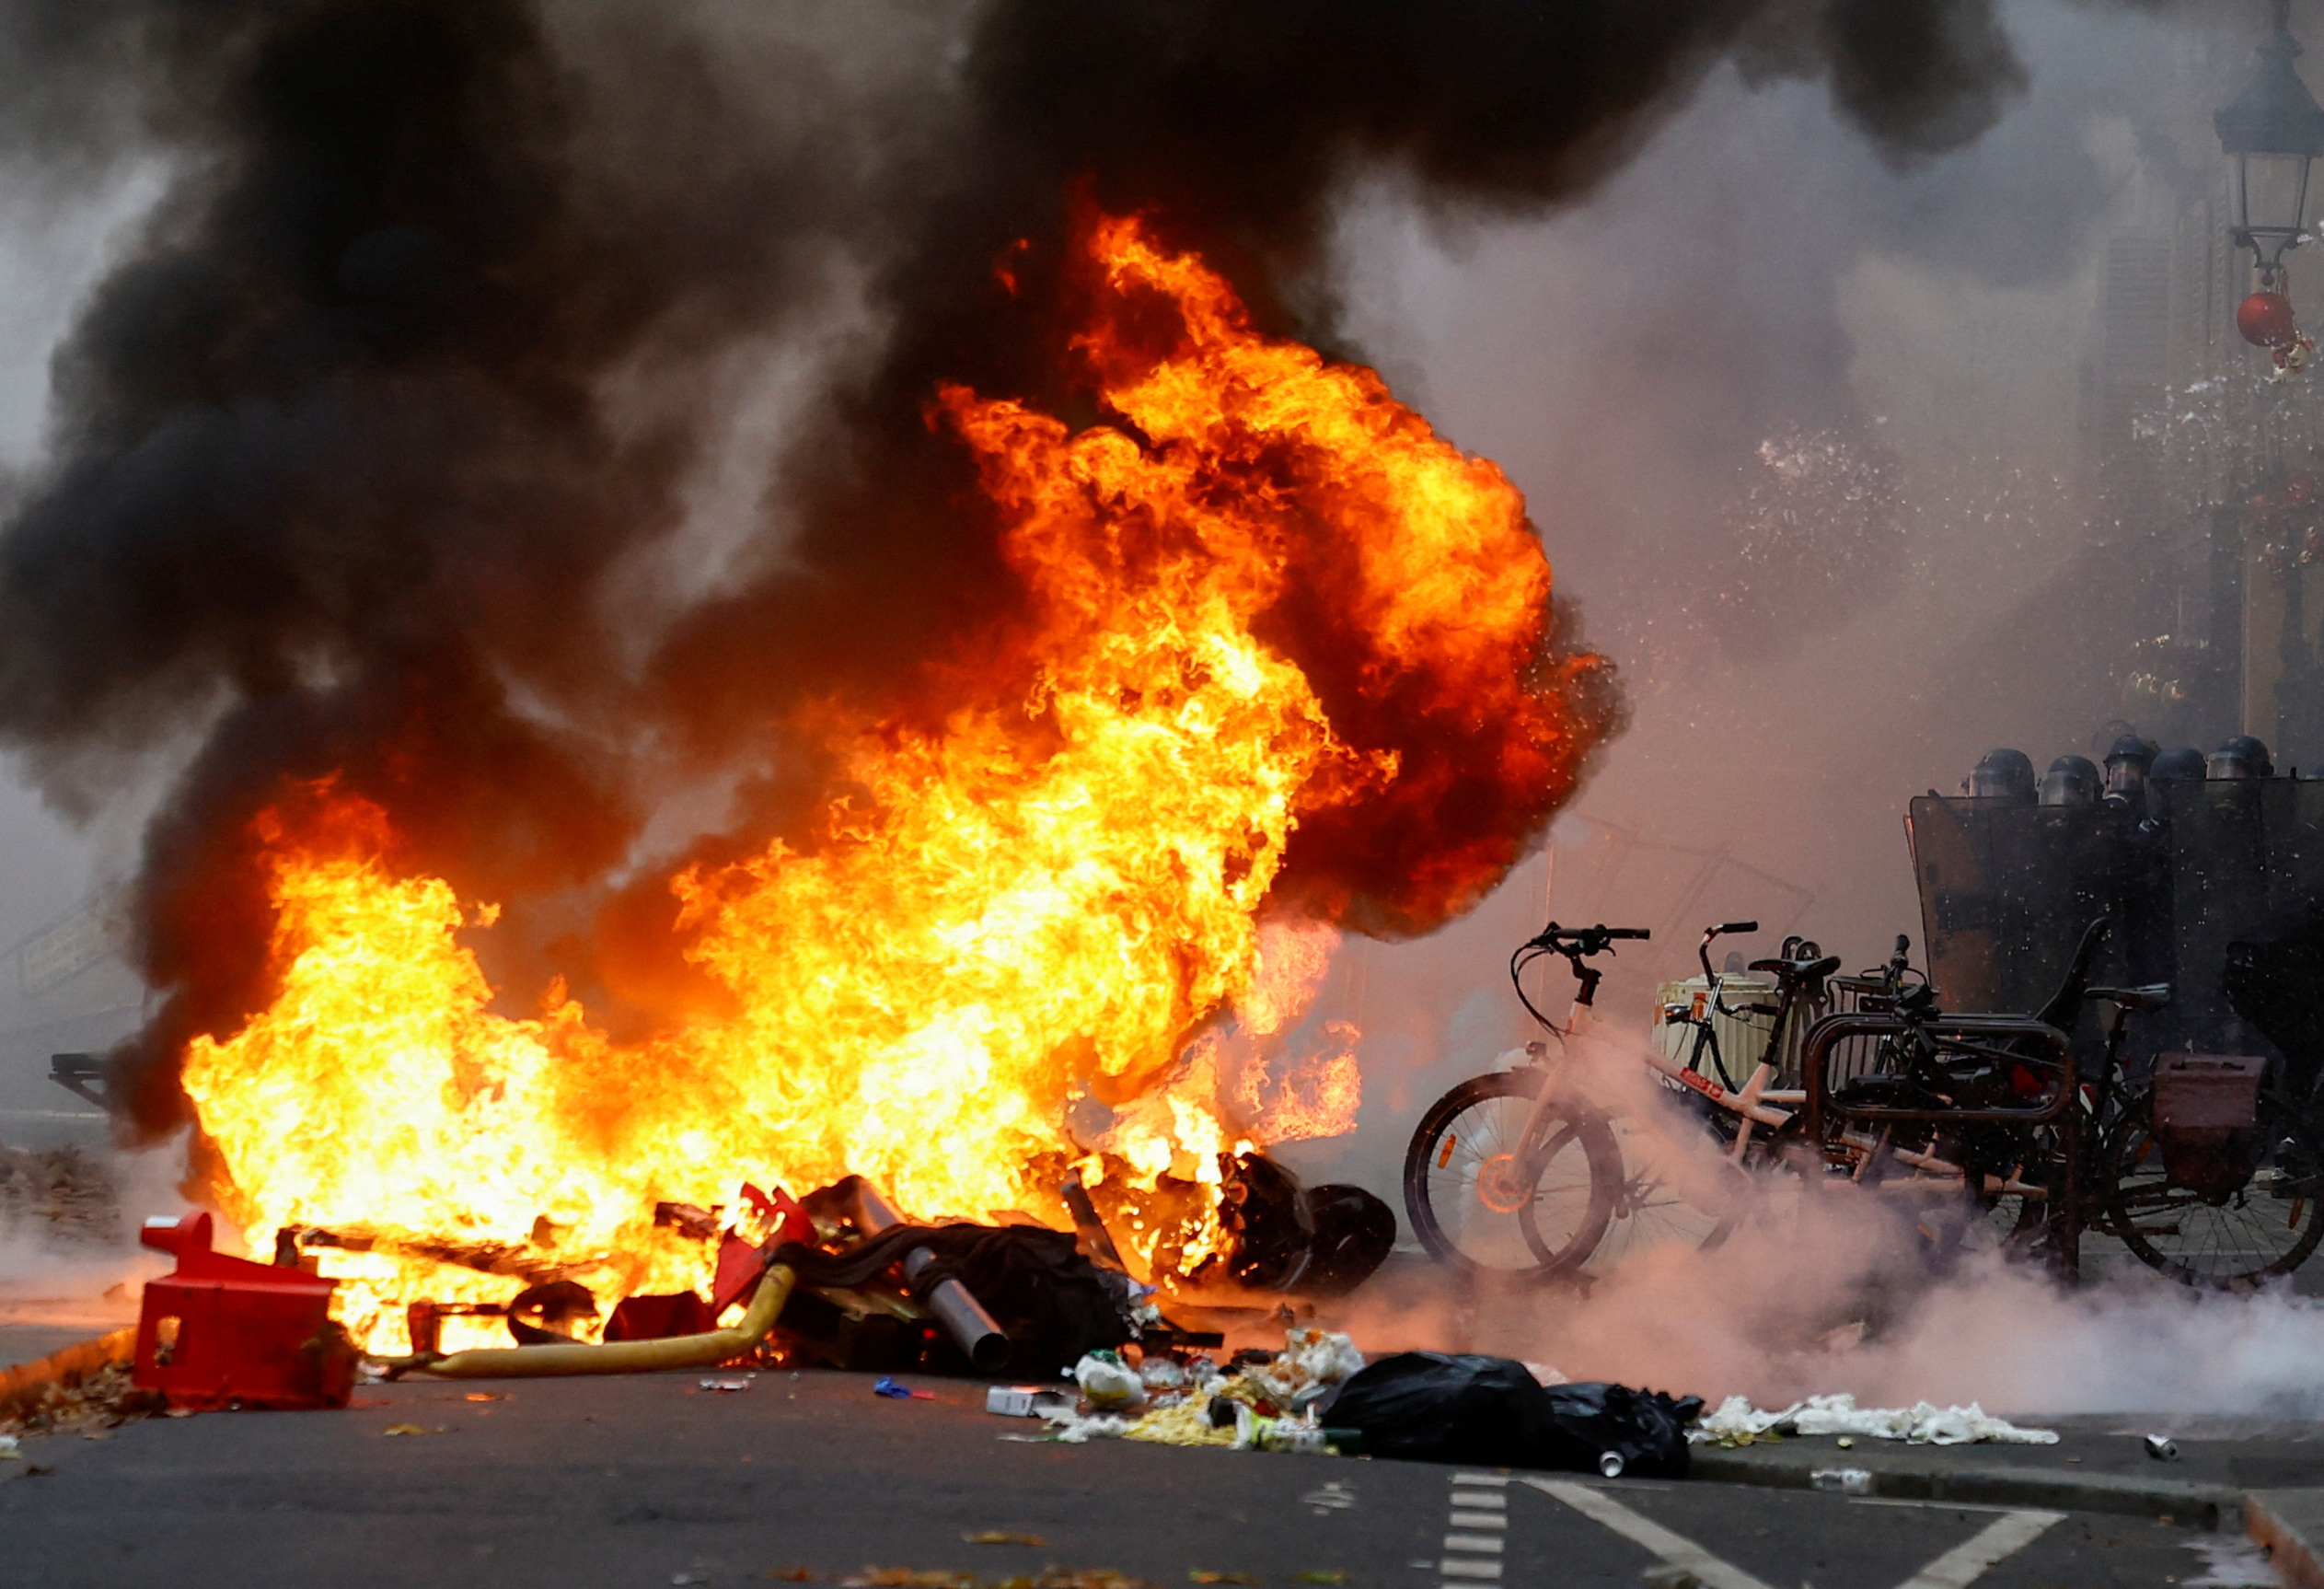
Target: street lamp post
x,y
2271,131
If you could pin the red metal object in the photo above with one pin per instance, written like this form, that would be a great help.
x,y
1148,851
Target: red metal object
x,y
740,1263
2265,319
224,1331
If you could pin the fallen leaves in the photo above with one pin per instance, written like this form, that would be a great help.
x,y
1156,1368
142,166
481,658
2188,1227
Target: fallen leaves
x,y
997,1537
415,1429
1055,1578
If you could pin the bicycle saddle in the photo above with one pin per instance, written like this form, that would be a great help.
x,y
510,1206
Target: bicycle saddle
x,y
1800,970
2146,1000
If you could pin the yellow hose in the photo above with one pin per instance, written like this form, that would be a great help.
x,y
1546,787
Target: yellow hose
x,y
706,1351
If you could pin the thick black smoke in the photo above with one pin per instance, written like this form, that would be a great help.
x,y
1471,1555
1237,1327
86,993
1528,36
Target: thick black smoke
x,y
347,455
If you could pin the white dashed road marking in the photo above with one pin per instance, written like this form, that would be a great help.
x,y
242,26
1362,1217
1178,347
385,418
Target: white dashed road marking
x,y
1966,1562
1956,1569
1468,1555
1674,1548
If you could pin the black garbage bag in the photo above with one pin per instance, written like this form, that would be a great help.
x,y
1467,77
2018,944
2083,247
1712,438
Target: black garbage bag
x,y
1646,1428
1430,1406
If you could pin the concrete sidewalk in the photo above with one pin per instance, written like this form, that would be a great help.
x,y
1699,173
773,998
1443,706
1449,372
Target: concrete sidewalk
x,y
2263,1476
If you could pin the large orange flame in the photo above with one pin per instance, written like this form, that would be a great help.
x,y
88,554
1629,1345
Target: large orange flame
x,y
1013,921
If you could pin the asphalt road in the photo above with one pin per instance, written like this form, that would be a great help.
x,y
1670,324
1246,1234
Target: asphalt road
x,y
651,1480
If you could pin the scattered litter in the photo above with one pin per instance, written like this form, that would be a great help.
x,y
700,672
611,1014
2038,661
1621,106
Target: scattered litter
x,y
471,1395
10,1446
2230,1564
2162,1448
1847,1442
884,1385
1738,1423
1610,1464
1544,1376
788,1574
415,1429
1841,1481
1074,1430
1322,1577
1333,1497
689,1578
1184,1423
1301,1435
1221,1578
1311,1360
1024,1400
1108,1382
1268,1402
996,1537
729,1384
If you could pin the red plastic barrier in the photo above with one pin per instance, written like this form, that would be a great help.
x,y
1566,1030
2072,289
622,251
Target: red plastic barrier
x,y
224,1331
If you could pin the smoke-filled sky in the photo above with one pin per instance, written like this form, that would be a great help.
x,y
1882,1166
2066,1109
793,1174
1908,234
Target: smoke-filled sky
x,y
535,394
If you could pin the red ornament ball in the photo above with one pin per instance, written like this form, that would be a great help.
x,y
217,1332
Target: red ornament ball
x,y
2265,319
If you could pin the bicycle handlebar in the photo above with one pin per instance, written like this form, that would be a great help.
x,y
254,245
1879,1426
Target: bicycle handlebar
x,y
1582,940
1577,944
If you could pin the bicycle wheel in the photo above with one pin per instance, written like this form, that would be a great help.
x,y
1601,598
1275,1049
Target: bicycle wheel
x,y
1481,1201
1695,1202
2268,1226
1780,1178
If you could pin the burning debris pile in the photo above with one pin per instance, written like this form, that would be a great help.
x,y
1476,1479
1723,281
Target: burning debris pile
x,y
1109,656
1053,919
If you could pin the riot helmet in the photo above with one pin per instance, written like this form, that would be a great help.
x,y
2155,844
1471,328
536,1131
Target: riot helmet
x,y
2127,768
2003,775
2071,781
2242,757
2181,764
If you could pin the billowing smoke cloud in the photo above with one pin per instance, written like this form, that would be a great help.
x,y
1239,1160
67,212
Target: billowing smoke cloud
x,y
355,458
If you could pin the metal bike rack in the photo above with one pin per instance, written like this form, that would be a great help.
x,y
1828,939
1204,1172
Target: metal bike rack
x,y
2065,1201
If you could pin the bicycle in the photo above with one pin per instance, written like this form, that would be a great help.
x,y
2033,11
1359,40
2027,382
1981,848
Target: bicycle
x,y
2032,1156
1509,1174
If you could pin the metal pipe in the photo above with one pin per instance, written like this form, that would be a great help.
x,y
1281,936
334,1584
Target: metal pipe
x,y
954,1306
704,1350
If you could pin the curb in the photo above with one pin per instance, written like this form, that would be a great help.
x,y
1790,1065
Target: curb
x,y
69,1366
2210,1506
2289,1551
